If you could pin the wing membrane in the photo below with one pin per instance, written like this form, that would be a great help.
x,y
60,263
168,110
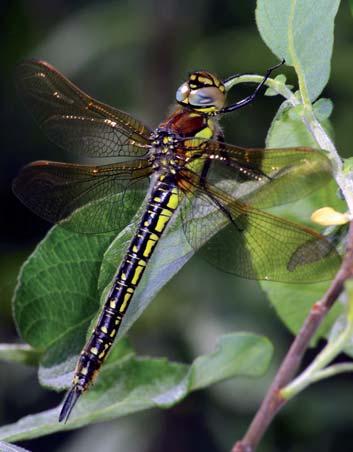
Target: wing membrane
x,y
263,177
75,121
245,241
84,198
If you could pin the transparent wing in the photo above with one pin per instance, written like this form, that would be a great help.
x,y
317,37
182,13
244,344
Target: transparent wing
x,y
89,199
261,177
75,121
245,241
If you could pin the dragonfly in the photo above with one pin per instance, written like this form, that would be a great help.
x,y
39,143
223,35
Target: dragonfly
x,y
183,169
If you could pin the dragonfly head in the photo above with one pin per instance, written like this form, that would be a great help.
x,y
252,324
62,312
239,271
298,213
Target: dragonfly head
x,y
202,92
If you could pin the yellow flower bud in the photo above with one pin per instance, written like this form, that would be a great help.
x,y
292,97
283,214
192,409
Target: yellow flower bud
x,y
329,217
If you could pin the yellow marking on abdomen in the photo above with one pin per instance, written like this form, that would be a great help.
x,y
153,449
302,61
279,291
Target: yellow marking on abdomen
x,y
173,200
150,244
138,272
163,220
127,297
84,371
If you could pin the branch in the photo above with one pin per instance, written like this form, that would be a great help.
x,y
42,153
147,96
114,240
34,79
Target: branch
x,y
273,401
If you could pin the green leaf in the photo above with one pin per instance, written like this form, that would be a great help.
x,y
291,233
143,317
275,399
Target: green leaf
x,y
293,301
323,108
19,353
300,31
281,78
57,295
57,285
128,384
287,128
236,354
348,165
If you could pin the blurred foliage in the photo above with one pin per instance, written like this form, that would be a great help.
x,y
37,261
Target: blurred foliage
x,y
144,383
134,55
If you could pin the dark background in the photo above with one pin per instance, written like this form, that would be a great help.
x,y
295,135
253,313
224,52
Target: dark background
x,y
133,55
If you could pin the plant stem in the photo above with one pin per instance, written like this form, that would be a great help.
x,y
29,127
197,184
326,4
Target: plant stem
x,y
332,370
316,370
295,62
273,400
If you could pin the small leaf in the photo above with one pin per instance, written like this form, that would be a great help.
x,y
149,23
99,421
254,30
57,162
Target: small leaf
x,y
300,31
323,108
287,129
348,165
133,384
281,78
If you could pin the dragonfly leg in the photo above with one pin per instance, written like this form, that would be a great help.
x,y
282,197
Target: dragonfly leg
x,y
224,210
249,99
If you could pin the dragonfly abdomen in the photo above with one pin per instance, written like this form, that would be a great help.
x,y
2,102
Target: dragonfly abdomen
x,y
160,208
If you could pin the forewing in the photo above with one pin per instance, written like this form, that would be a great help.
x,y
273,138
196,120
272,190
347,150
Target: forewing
x,y
88,199
263,177
75,121
245,241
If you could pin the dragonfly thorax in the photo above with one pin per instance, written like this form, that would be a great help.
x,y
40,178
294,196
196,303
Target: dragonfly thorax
x,y
163,155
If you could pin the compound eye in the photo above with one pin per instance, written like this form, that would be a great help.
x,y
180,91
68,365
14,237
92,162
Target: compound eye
x,y
206,97
200,99
183,92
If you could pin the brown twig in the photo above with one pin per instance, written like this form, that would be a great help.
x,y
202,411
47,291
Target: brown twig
x,y
273,402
